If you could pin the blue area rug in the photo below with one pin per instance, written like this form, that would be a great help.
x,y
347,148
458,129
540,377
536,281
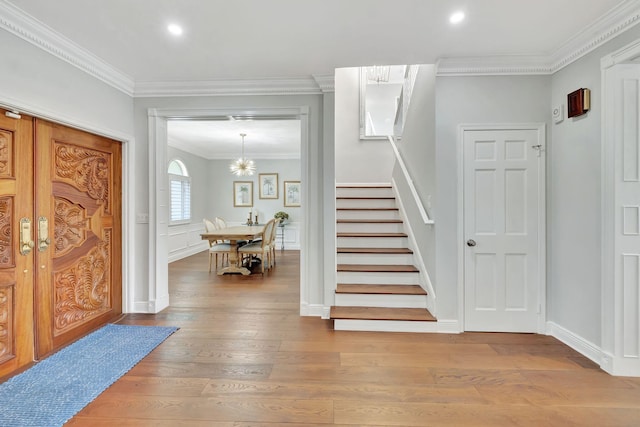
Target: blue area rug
x,y
55,389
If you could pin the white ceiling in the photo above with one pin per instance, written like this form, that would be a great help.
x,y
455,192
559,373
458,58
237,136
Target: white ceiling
x,y
272,39
256,39
266,139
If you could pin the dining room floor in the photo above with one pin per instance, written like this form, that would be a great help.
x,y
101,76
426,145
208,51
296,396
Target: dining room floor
x,y
245,357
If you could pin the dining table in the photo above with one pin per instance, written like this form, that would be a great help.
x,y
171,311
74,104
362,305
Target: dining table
x,y
234,234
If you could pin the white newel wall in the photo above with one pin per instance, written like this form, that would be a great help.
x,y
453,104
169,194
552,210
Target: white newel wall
x,y
357,161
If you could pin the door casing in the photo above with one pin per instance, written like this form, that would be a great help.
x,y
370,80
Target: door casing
x,y
541,129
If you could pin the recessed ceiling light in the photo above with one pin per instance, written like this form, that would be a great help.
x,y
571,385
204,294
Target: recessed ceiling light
x,y
456,17
175,29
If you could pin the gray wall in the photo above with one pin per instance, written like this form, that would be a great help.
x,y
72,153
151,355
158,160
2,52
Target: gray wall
x,y
357,161
574,199
38,82
418,150
198,168
486,100
219,192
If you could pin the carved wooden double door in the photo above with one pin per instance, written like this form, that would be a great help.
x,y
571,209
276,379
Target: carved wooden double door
x,y
60,237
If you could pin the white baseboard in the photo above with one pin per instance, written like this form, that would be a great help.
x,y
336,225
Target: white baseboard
x,y
314,310
449,326
187,252
576,342
151,307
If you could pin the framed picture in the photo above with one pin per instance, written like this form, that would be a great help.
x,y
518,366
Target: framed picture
x,y
292,193
242,193
268,183
579,102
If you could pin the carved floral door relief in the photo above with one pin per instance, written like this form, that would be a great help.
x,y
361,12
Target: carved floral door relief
x,y
60,237
78,284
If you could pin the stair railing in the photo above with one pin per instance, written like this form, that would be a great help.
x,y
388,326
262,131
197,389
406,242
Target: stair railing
x,y
412,187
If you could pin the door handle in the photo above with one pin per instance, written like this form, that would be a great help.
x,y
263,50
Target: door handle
x,y
43,234
471,242
26,244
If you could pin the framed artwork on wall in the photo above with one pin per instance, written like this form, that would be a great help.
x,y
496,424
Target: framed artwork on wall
x,y
579,102
292,193
242,193
268,183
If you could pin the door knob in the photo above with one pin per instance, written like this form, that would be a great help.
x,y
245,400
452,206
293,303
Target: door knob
x,y
471,242
43,234
26,244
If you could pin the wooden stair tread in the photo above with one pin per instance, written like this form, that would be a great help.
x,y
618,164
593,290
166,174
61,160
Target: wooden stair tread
x,y
377,268
381,313
350,234
362,288
374,251
369,221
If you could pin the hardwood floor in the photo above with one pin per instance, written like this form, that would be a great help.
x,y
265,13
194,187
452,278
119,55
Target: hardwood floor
x,y
244,357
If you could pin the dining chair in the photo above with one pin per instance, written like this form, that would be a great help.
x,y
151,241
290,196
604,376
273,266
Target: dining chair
x,y
260,248
221,223
216,247
272,241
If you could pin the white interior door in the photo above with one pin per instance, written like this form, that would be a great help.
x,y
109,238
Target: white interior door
x,y
503,229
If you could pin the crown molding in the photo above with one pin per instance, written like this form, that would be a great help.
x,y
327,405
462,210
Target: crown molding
x,y
326,82
612,24
293,86
493,66
19,23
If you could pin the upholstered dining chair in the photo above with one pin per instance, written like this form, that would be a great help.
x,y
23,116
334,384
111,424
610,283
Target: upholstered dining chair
x,y
221,223
216,247
261,248
272,242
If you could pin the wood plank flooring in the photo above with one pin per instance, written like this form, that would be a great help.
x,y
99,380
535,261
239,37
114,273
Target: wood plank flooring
x,y
244,357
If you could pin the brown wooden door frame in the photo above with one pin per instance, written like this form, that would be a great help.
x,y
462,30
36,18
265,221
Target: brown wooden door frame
x,y
16,269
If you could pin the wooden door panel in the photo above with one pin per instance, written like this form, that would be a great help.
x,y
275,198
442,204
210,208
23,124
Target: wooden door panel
x,y
78,191
16,270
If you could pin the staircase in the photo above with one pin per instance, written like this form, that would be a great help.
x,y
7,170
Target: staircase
x,y
378,286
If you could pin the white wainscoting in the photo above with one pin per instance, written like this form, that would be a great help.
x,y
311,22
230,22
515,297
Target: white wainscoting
x,y
184,241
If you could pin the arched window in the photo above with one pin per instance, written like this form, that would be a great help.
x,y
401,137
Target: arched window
x,y
180,187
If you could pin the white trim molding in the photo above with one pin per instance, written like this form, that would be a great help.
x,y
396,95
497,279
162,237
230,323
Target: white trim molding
x,y
417,256
579,344
412,187
293,86
23,25
620,305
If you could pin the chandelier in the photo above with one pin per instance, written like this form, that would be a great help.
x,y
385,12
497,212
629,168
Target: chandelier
x,y
242,166
378,73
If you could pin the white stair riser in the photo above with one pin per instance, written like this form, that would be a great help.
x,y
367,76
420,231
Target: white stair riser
x,y
384,325
372,242
366,227
364,192
381,300
376,259
378,278
365,214
365,203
